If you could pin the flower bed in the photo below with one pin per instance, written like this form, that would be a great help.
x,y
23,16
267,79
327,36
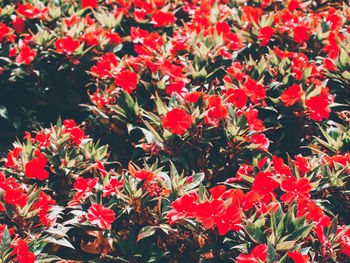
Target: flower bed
x,y
227,125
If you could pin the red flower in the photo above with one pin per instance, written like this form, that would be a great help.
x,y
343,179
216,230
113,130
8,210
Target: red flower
x,y
18,24
177,120
328,64
208,212
114,37
112,187
29,11
44,203
103,217
298,257
66,45
292,95
261,139
16,197
127,80
258,254
35,167
230,219
253,121
216,111
77,134
22,252
265,34
26,55
89,3
264,185
255,91
145,175
85,184
237,97
300,34
4,30
12,156
295,188
318,107
163,19
183,207
302,163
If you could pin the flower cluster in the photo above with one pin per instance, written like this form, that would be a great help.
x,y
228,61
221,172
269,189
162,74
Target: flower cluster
x,y
227,126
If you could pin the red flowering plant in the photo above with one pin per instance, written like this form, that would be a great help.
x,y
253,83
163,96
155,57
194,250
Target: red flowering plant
x,y
247,98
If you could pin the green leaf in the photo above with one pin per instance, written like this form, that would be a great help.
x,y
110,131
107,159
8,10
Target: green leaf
x,y
255,233
271,254
286,245
5,241
146,231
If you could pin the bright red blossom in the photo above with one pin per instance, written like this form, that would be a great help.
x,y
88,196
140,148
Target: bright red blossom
x,y
295,188
265,34
292,95
35,167
22,252
26,55
66,45
258,254
298,257
126,79
89,3
163,19
177,120
101,216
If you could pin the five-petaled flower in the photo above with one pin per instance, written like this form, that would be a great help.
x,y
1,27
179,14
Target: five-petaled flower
x,y
177,120
101,216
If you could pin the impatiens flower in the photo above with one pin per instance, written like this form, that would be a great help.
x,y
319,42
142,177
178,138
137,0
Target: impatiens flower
x,y
298,257
18,24
163,19
318,107
216,111
261,139
253,121
300,34
237,97
177,120
258,255
292,95
89,3
4,30
113,186
44,204
66,45
265,34
302,163
22,252
16,197
12,156
208,212
126,79
35,167
328,64
85,184
145,175
31,12
231,219
295,188
263,185
101,216
77,134
43,139
183,207
255,91
26,55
